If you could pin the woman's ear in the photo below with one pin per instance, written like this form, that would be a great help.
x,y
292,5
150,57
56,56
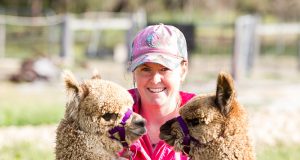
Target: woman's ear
x,y
184,70
133,77
133,80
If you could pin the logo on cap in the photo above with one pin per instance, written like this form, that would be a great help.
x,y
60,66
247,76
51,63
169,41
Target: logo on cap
x,y
152,40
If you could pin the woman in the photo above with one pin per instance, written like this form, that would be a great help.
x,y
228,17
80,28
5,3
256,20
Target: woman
x,y
159,63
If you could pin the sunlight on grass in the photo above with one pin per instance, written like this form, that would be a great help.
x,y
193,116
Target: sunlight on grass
x,y
31,104
30,114
280,152
26,151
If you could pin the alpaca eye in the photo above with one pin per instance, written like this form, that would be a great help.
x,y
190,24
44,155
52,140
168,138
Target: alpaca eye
x,y
193,122
110,116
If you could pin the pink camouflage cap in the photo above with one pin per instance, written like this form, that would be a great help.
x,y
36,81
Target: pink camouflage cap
x,y
162,44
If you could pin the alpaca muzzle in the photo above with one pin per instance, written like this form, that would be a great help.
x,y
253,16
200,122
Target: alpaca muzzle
x,y
118,132
187,137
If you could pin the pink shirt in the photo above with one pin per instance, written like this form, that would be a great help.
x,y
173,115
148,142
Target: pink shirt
x,y
142,148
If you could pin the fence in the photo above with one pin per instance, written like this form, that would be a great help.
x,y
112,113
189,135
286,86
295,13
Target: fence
x,y
70,23
24,21
247,45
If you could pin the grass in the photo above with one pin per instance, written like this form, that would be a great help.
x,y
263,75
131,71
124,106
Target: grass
x,y
26,151
280,152
30,114
30,104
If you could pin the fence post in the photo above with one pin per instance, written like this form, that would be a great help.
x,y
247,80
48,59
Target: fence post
x,y
138,21
92,48
66,50
299,52
140,18
2,37
246,46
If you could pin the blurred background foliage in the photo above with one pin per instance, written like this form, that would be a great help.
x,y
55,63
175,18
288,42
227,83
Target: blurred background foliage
x,y
191,10
213,21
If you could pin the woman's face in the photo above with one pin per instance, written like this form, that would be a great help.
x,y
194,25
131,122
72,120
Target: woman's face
x,y
158,85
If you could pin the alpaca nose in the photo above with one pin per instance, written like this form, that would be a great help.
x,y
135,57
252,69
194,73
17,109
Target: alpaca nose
x,y
166,127
140,123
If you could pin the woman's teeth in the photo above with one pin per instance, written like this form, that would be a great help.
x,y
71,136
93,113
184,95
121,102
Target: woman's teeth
x,y
156,90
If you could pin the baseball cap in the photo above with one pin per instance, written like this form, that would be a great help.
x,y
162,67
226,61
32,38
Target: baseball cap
x,y
162,44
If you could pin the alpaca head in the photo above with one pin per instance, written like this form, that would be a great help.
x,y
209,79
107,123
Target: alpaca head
x,y
205,117
98,106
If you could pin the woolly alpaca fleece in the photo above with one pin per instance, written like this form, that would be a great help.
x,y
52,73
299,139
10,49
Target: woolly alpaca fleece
x,y
217,122
94,107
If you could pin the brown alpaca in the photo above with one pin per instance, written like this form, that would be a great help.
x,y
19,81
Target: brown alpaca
x,y
217,126
94,108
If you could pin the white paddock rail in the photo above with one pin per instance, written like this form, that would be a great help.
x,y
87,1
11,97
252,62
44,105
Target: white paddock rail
x,y
24,21
71,23
31,21
279,28
248,31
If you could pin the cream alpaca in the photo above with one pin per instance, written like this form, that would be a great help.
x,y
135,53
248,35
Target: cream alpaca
x,y
217,126
95,106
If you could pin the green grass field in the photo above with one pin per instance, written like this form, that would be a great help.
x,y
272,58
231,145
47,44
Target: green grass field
x,y
279,152
30,104
30,151
26,151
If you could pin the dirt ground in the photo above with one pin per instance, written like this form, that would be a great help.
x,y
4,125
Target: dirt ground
x,y
270,94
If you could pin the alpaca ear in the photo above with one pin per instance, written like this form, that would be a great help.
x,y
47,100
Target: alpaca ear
x,y
96,74
71,84
75,93
225,92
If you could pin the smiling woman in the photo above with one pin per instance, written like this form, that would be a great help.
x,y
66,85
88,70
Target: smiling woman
x,y
159,65
158,86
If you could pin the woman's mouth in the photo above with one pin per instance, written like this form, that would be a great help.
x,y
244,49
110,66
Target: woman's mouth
x,y
156,90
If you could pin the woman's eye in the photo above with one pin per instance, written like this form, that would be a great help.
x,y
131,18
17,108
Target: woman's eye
x,y
145,69
193,122
110,116
165,69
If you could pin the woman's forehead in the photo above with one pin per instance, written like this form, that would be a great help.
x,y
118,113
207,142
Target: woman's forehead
x,y
151,64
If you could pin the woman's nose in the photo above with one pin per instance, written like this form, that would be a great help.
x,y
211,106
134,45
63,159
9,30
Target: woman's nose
x,y
156,78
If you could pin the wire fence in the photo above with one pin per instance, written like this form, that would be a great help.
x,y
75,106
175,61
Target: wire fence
x,y
64,34
86,35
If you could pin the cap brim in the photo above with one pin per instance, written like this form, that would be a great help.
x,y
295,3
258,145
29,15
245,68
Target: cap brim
x,y
165,60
